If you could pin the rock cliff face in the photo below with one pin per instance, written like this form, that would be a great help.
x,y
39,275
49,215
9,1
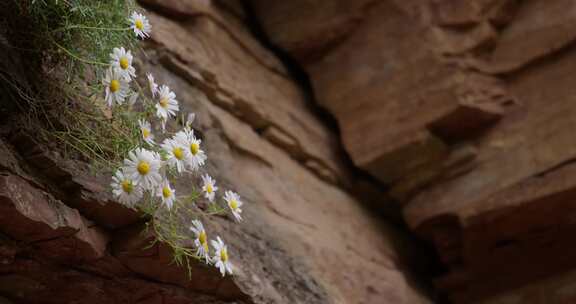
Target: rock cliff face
x,y
462,112
466,110
305,238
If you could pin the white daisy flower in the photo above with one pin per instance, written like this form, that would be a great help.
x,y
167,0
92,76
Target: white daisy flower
x,y
146,131
220,258
152,85
166,193
167,106
117,87
143,167
122,61
124,189
177,154
140,24
197,156
234,203
201,241
209,187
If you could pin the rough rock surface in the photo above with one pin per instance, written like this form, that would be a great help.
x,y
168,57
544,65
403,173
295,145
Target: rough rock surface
x,y
466,110
304,239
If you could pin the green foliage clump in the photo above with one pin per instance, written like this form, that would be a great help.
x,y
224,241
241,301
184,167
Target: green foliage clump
x,y
80,32
72,40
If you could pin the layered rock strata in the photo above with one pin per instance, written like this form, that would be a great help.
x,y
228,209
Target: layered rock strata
x,y
304,239
466,110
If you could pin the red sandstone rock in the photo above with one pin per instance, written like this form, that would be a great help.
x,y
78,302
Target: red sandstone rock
x,y
60,233
368,90
308,29
138,251
304,240
417,89
28,214
539,29
263,98
73,183
555,290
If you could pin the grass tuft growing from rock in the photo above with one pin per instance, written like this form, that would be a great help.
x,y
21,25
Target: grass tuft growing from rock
x,y
79,32
95,108
71,41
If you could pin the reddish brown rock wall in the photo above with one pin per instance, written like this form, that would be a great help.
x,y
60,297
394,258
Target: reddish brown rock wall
x,y
305,239
466,109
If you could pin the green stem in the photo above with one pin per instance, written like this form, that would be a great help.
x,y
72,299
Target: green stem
x,y
78,58
91,28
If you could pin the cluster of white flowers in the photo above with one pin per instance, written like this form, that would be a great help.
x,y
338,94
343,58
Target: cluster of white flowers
x,y
149,170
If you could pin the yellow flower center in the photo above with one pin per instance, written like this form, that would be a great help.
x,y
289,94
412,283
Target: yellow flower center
x,y
178,153
209,188
127,186
124,63
139,24
145,133
166,192
114,85
194,148
143,167
233,204
202,238
164,102
224,255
